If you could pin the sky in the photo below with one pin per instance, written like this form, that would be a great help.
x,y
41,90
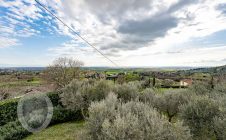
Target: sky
x,y
141,33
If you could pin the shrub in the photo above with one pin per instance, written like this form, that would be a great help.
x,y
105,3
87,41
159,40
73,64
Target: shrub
x,y
55,98
169,102
200,88
61,115
126,92
8,111
100,90
98,111
79,94
111,119
71,97
8,108
168,82
219,90
220,128
199,115
10,128
13,131
148,96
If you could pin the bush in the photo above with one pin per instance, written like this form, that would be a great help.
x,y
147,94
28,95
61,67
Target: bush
x,y
100,90
148,96
169,102
168,82
13,131
220,88
111,119
8,108
200,88
10,128
199,115
220,128
8,111
71,97
98,111
79,94
61,115
55,98
127,91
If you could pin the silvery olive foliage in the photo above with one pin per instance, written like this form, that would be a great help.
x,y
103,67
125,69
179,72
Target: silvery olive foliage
x,y
80,93
219,91
127,91
72,96
148,96
199,115
220,127
221,87
100,90
128,111
111,119
200,88
169,102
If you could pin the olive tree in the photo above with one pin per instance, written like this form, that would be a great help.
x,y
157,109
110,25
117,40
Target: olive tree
x,y
126,92
80,93
100,90
168,82
71,96
113,120
148,96
220,128
220,88
169,102
199,115
63,71
200,88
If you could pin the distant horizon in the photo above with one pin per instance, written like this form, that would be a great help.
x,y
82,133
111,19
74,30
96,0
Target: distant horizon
x,y
5,67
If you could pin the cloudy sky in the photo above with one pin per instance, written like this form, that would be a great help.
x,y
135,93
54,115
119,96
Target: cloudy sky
x,y
130,32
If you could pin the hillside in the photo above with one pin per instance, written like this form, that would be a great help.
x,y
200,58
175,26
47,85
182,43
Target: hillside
x,y
212,70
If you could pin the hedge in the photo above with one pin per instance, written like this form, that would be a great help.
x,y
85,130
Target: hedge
x,y
8,111
13,131
8,108
10,127
61,115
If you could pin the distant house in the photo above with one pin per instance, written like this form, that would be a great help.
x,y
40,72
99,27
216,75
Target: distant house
x,y
186,82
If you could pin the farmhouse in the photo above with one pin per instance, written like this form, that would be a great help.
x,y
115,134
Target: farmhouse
x,y
186,82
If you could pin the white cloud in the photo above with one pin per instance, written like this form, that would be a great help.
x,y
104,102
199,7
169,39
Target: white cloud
x,y
7,42
130,32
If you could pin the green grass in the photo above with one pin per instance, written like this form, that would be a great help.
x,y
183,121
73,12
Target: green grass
x,y
64,131
20,83
162,90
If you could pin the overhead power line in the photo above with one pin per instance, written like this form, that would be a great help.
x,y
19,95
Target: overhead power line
x,y
44,7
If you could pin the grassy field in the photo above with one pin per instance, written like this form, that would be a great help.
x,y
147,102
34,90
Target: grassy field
x,y
66,131
20,83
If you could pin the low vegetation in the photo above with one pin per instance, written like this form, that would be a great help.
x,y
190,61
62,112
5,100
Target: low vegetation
x,y
135,106
63,131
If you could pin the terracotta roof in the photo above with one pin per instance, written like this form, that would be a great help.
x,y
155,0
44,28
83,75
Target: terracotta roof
x,y
189,81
